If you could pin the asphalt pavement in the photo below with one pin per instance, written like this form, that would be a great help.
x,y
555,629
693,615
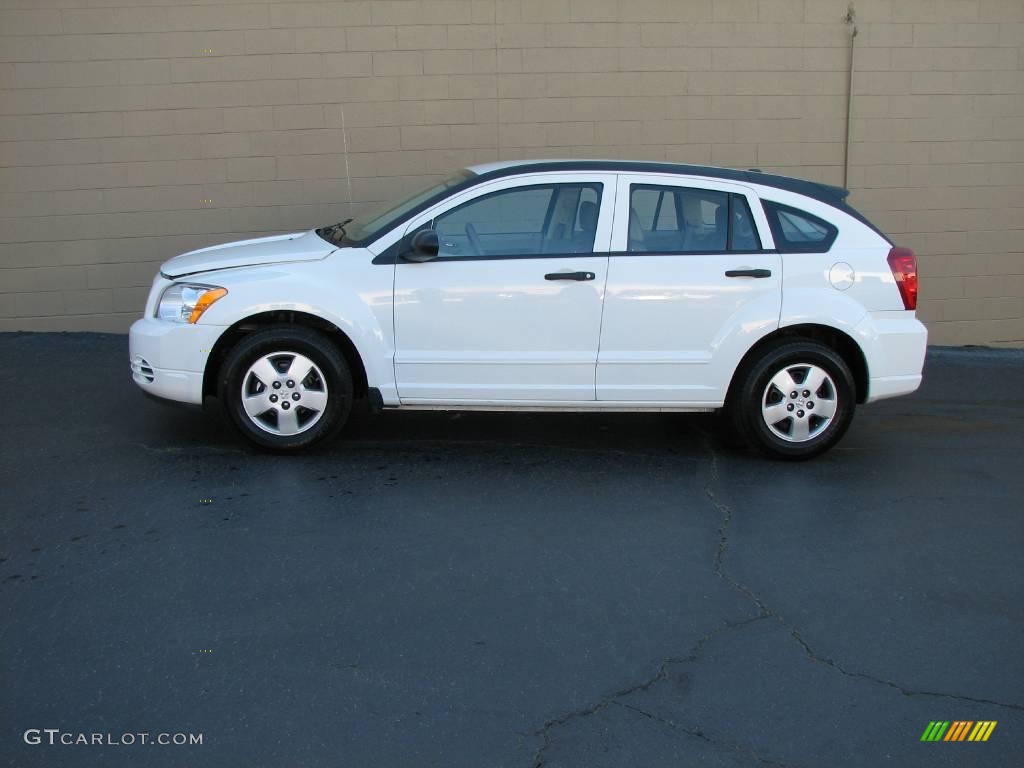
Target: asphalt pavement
x,y
491,590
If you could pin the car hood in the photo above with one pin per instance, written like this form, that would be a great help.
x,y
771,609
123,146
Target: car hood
x,y
298,246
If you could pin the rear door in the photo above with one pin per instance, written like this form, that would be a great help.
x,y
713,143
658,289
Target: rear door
x,y
693,280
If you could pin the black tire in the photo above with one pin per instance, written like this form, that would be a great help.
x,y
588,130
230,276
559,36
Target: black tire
x,y
337,382
750,392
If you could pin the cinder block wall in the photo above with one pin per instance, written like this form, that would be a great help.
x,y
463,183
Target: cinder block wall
x,y
132,130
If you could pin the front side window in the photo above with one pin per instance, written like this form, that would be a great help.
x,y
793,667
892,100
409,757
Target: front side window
x,y
664,219
798,231
522,221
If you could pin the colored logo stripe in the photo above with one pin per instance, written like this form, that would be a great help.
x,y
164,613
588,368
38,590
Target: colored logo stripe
x,y
958,730
982,730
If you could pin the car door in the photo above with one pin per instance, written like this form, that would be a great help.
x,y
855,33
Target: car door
x,y
692,280
510,309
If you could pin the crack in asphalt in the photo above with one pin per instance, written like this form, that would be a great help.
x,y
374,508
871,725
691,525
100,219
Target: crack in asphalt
x,y
662,674
698,734
726,515
725,512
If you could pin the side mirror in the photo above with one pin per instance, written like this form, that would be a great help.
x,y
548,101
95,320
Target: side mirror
x,y
423,247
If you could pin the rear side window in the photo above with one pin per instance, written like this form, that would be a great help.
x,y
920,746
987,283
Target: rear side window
x,y
670,219
742,232
797,231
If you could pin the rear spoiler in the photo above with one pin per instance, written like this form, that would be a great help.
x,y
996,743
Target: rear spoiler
x,y
825,193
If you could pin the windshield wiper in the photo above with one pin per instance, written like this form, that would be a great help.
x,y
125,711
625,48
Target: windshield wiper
x,y
328,233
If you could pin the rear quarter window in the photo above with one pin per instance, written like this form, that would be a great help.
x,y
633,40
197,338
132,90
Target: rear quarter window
x,y
797,231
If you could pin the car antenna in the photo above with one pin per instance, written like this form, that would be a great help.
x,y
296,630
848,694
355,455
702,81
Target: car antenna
x,y
497,87
344,147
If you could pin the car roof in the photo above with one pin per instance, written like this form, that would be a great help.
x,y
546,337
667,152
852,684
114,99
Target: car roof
x,y
826,193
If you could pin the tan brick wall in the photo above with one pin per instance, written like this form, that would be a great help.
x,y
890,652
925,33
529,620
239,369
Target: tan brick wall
x,y
132,130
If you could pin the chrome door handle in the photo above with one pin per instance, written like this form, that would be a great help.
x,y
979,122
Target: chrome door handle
x,y
570,276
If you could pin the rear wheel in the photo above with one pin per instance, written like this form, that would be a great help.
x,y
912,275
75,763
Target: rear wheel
x,y
286,388
795,401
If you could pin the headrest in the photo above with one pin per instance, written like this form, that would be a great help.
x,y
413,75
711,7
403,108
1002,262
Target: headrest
x,y
588,216
722,218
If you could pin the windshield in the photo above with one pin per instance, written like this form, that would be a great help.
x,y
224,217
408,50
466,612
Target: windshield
x,y
379,218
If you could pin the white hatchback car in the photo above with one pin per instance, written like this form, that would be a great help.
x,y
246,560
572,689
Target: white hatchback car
x,y
550,286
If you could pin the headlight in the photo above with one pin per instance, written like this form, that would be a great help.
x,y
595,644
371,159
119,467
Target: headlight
x,y
183,303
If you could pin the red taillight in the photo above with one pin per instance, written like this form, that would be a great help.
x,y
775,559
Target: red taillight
x,y
903,264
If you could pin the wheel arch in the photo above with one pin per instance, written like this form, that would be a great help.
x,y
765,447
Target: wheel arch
x,y
843,344
252,323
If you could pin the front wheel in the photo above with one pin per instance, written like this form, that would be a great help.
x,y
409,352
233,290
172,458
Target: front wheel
x,y
286,388
796,401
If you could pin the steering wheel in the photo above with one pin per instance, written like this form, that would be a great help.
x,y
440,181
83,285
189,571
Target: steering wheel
x,y
474,239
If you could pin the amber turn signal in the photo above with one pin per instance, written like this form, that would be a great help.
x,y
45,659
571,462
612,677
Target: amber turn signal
x,y
205,302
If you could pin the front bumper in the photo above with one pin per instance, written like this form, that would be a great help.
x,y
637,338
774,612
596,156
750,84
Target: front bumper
x,y
168,359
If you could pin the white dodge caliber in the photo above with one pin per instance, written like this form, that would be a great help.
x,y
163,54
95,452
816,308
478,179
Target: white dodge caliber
x,y
569,285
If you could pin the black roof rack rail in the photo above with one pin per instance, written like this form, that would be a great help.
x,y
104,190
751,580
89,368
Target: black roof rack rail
x,y
824,192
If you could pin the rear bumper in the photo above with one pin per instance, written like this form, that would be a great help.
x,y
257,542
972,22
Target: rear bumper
x,y
168,360
894,344
881,387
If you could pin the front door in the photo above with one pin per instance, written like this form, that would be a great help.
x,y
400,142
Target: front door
x,y
693,280
510,309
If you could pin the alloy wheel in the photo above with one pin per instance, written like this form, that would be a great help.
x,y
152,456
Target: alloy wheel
x,y
284,393
799,402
